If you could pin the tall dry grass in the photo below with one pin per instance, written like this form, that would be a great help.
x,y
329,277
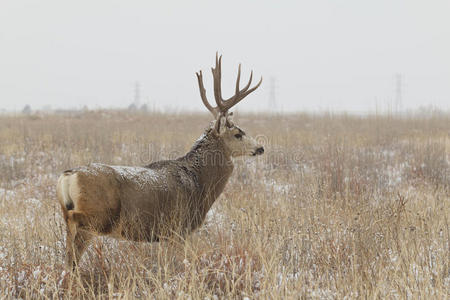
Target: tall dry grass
x,y
338,207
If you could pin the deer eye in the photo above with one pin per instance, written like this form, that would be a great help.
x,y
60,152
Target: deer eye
x,y
238,136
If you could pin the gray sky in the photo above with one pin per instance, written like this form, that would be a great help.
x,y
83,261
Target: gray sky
x,y
340,55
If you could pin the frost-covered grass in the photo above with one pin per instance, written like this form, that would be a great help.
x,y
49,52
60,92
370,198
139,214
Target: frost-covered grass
x,y
338,207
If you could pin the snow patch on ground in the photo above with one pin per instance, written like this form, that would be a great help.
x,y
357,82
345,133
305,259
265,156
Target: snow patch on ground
x,y
214,217
6,194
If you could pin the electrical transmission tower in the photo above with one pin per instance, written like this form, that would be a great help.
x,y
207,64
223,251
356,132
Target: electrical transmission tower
x,y
398,92
272,95
137,95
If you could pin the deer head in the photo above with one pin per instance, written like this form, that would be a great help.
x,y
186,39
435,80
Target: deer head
x,y
233,137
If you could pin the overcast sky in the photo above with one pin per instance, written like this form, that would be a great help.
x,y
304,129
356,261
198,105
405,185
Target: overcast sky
x,y
339,55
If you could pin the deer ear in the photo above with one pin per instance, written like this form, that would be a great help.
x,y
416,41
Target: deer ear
x,y
219,126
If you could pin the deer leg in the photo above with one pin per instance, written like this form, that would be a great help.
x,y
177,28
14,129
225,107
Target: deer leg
x,y
77,240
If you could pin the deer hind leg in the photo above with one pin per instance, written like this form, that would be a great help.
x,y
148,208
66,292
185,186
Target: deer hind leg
x,y
77,240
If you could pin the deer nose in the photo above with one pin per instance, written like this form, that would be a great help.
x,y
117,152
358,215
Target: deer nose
x,y
259,151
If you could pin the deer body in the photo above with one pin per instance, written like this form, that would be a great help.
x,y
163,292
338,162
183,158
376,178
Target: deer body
x,y
110,199
158,200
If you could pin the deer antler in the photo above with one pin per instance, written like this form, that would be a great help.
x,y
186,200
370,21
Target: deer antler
x,y
224,105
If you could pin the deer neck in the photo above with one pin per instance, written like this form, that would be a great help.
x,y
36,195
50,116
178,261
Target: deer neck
x,y
213,164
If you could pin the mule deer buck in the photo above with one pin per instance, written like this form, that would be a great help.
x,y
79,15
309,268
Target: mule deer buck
x,y
163,198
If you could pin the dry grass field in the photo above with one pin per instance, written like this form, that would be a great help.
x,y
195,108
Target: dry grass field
x,y
339,207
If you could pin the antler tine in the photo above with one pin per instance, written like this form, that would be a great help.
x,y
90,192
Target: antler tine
x,y
249,82
217,76
203,94
238,79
